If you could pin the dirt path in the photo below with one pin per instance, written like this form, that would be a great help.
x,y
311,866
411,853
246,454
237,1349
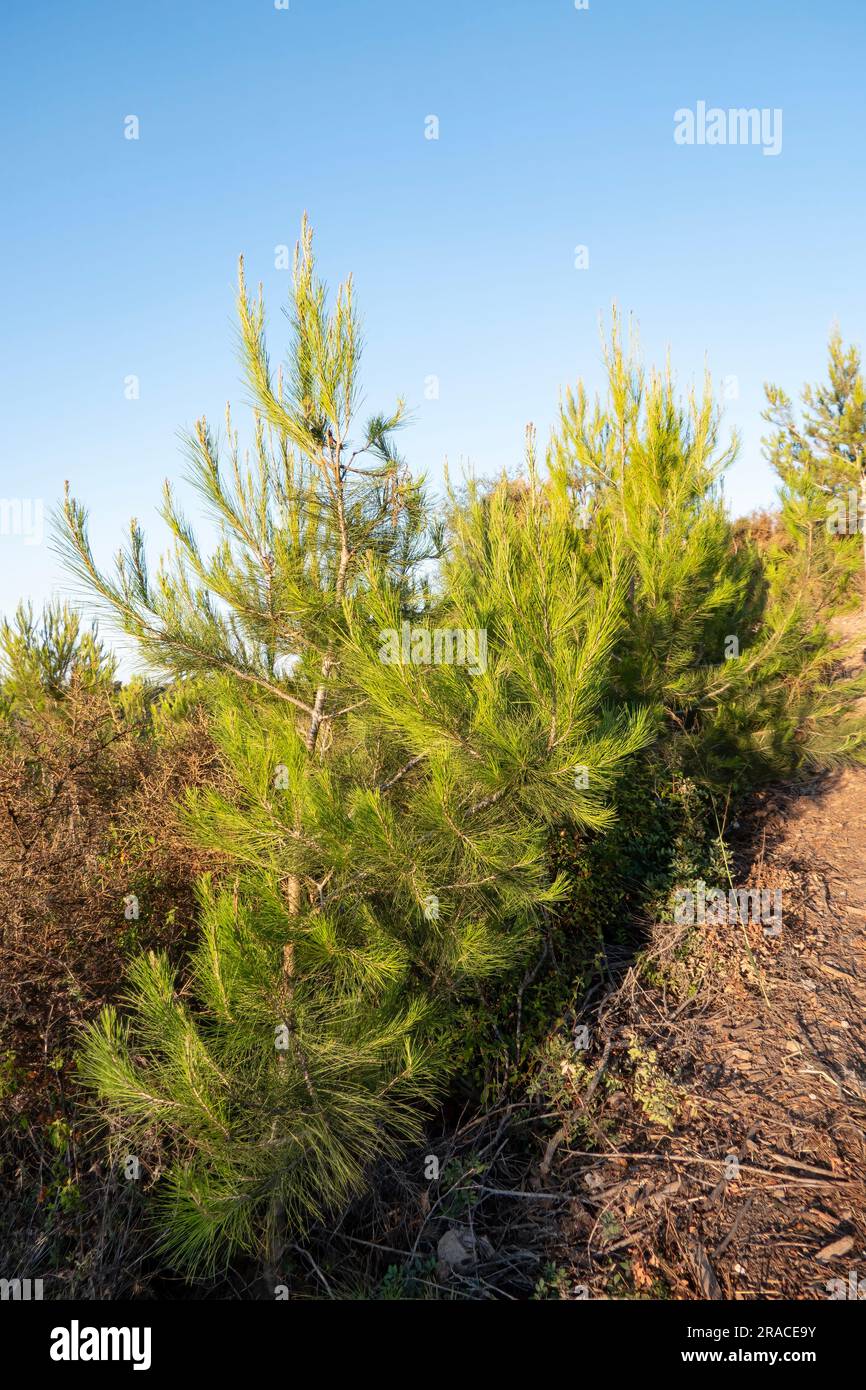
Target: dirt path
x,y
730,1084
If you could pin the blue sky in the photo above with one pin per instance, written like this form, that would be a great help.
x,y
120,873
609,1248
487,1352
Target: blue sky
x,y
556,130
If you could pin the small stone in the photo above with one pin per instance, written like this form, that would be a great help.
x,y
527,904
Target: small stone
x,y
459,1251
838,1247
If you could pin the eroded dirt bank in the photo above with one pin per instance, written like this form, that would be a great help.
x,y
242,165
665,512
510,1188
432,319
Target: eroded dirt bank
x,y
732,1162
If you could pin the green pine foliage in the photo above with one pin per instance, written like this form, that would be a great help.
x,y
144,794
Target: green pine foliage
x,y
389,805
821,461
409,716
41,655
734,659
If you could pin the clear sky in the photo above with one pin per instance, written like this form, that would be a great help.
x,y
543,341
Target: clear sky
x,y
556,130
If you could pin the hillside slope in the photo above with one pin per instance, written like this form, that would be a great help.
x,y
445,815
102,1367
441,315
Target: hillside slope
x,y
758,1048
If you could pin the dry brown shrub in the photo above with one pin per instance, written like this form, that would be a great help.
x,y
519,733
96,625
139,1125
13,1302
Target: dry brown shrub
x,y
88,816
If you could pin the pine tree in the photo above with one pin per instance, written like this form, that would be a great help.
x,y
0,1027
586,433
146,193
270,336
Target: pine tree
x,y
734,660
821,460
41,655
398,751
